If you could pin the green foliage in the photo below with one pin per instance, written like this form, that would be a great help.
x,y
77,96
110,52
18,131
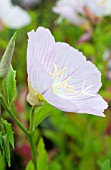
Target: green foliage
x,y
105,165
1,143
9,131
6,148
42,160
2,163
79,138
6,138
55,166
42,112
9,85
30,166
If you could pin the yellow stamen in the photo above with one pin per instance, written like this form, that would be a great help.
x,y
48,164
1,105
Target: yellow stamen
x,y
69,86
67,79
70,90
55,68
59,74
52,75
64,84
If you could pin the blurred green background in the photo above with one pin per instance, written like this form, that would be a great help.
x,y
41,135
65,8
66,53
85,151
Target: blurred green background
x,y
72,141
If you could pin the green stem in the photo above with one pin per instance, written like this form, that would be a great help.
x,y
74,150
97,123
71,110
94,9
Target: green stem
x,y
28,133
0,118
33,151
3,102
31,138
31,119
0,110
1,124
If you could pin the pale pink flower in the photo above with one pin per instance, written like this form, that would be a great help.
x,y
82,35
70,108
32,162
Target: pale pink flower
x,y
72,10
60,74
75,10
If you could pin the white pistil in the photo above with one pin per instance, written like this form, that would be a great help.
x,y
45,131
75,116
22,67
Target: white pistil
x,y
83,85
85,90
89,94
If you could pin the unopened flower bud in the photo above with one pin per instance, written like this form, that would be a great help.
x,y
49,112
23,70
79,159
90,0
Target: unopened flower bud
x,y
7,58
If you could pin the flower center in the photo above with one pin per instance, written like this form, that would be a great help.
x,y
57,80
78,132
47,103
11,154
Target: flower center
x,y
59,86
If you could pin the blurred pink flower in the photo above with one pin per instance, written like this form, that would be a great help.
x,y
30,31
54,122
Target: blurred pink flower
x,y
71,10
78,11
62,76
13,16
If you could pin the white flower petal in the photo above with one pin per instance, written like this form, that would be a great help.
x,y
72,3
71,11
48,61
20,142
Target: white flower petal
x,y
60,103
66,56
13,16
82,72
39,78
84,78
99,7
40,46
92,105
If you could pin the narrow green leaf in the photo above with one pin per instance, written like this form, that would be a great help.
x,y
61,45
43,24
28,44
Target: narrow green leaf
x,y
30,166
105,165
0,140
6,149
42,161
7,57
1,144
2,162
42,112
9,131
9,85
54,165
